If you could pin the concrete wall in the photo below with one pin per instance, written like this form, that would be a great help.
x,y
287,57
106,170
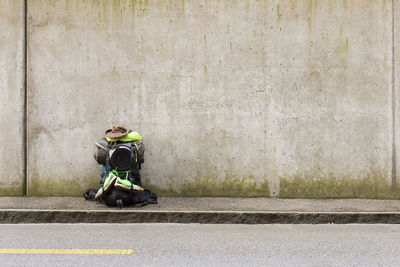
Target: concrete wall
x,y
11,96
396,84
244,98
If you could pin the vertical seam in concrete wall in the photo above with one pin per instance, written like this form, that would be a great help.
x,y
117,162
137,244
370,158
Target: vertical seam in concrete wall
x,y
394,171
25,103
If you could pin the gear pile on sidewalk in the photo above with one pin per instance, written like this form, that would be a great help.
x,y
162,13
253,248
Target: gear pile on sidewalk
x,y
120,154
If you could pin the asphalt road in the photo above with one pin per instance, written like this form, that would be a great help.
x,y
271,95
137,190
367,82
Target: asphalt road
x,y
204,245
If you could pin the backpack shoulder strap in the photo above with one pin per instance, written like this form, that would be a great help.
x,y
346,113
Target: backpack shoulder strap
x,y
108,159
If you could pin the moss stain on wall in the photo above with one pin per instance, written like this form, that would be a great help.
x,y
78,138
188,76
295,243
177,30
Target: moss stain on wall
x,y
11,191
208,186
373,186
61,188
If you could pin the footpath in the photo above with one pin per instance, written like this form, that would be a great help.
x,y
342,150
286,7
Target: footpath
x,y
201,210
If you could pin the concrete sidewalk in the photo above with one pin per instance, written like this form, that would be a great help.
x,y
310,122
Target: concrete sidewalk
x,y
200,210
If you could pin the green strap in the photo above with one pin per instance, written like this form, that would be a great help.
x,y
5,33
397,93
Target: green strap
x,y
116,172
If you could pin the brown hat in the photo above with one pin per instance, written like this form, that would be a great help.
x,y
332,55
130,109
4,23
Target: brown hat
x,y
116,132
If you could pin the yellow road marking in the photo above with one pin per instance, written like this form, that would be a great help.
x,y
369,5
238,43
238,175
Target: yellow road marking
x,y
67,251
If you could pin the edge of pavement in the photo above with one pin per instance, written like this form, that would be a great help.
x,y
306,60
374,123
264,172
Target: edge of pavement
x,y
14,216
207,210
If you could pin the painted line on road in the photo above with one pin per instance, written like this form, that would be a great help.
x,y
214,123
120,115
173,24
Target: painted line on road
x,y
68,251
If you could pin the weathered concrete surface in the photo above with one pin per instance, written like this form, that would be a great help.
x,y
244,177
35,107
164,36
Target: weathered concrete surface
x,y
272,90
11,96
333,106
396,84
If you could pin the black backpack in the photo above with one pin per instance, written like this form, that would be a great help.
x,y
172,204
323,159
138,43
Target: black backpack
x,y
120,198
126,157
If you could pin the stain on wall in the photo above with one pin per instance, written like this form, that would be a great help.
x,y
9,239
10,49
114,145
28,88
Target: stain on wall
x,y
207,186
374,185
